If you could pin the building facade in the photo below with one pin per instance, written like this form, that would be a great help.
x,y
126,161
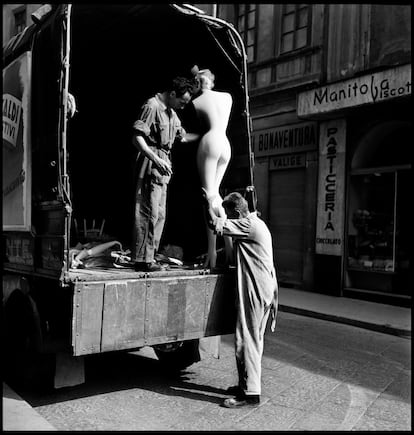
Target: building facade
x,y
16,17
330,89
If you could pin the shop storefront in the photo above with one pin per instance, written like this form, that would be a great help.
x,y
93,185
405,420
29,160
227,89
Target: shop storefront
x,y
364,202
379,210
285,178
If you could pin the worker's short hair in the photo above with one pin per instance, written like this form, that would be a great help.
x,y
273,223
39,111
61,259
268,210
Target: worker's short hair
x,y
235,202
180,85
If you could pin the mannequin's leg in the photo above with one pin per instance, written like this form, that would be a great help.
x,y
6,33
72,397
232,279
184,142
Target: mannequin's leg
x,y
207,170
220,171
211,249
207,167
228,247
228,243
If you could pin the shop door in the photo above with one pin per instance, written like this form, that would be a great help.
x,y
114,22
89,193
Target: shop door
x,y
286,221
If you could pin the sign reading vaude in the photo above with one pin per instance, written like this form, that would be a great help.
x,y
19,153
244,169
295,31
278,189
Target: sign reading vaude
x,y
367,89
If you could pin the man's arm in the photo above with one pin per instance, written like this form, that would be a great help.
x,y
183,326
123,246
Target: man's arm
x,y
140,143
237,228
183,136
142,128
274,307
190,137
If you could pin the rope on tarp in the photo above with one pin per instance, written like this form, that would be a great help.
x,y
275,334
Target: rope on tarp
x,y
64,83
224,51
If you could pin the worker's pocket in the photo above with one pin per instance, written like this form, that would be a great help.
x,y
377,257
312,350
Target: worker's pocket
x,y
158,178
164,129
179,131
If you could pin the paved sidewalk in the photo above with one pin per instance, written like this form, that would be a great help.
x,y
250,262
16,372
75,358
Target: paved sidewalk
x,y
388,319
384,318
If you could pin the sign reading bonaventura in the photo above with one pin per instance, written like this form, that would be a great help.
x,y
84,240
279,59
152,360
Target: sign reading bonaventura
x,y
16,144
367,89
331,188
291,138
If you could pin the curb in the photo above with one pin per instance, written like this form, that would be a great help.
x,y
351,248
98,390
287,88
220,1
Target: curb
x,y
18,415
385,329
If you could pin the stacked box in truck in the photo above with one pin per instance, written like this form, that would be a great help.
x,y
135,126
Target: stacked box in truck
x,y
64,175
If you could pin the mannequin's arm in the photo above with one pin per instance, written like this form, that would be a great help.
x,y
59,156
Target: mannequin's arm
x,y
190,137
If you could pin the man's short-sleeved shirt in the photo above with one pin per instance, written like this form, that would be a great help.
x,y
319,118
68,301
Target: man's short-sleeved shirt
x,y
160,125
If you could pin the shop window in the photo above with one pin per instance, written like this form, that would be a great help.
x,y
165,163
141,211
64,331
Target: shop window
x,y
378,226
295,27
371,232
246,25
19,20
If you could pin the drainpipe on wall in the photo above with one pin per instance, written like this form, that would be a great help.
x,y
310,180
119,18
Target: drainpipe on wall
x,y
214,11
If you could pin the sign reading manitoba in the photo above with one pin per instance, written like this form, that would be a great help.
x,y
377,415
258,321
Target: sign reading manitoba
x,y
367,89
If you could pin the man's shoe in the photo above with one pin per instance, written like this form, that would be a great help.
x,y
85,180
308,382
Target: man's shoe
x,y
148,267
235,390
240,401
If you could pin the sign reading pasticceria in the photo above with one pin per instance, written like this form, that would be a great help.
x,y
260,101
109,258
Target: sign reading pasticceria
x,y
331,188
367,89
291,138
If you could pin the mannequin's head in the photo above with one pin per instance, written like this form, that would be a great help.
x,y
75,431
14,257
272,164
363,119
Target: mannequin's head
x,y
204,78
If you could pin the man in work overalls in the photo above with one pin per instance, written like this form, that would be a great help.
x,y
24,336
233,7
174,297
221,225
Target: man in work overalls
x,y
257,293
155,131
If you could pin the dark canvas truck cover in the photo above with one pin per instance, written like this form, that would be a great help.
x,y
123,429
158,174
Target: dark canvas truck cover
x,y
111,58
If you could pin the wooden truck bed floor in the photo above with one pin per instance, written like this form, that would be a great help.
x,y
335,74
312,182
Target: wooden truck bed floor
x,y
104,274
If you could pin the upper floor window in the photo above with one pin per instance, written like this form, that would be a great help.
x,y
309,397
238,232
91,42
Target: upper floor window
x,y
295,27
19,20
246,25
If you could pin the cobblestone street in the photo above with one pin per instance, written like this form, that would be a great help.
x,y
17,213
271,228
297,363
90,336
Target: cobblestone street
x,y
317,375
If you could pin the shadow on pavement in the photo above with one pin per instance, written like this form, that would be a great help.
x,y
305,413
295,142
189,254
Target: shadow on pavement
x,y
107,373
363,358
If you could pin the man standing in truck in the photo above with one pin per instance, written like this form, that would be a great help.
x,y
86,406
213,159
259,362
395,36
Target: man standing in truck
x,y
256,296
154,133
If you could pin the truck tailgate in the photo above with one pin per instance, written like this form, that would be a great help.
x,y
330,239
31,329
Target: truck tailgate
x,y
130,312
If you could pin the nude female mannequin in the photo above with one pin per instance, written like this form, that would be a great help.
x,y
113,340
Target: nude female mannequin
x,y
213,155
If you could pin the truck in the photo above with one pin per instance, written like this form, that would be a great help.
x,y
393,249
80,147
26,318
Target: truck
x,y
73,83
